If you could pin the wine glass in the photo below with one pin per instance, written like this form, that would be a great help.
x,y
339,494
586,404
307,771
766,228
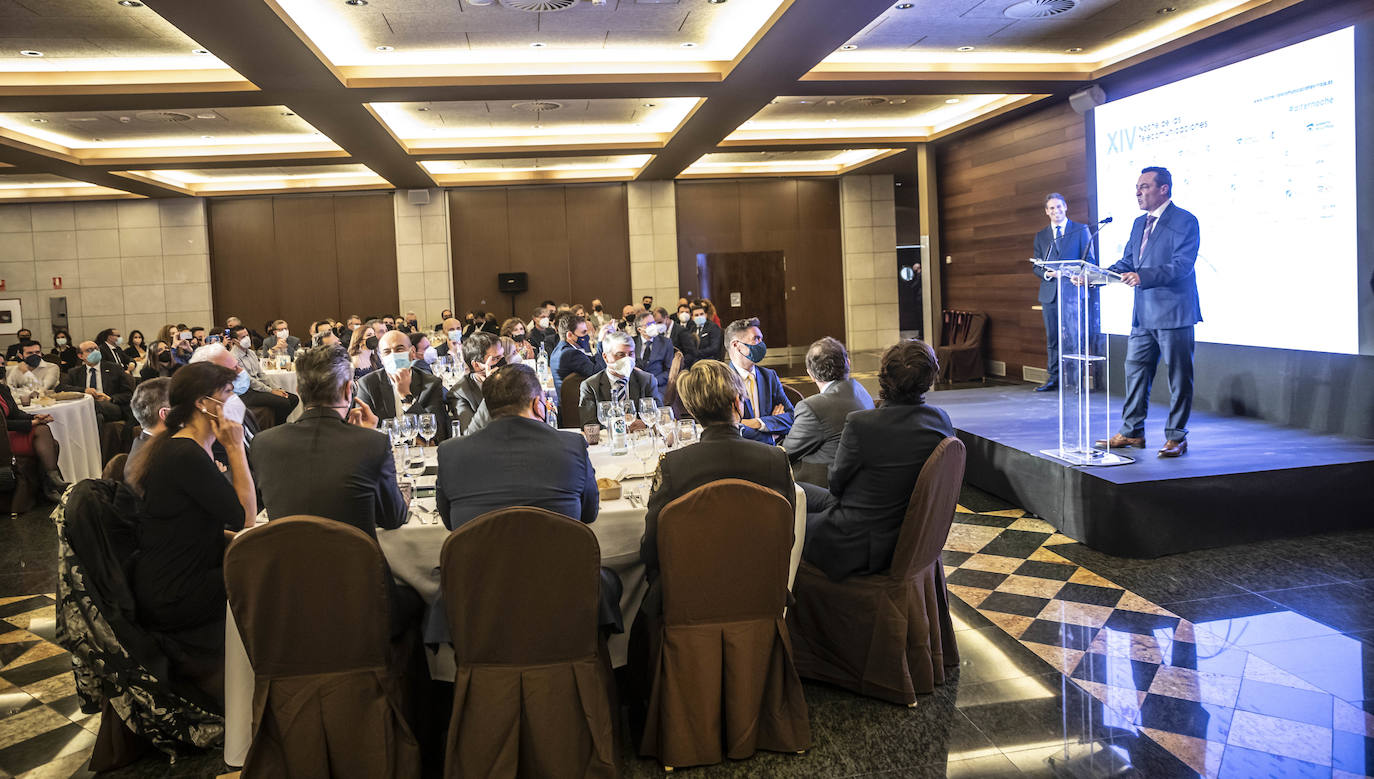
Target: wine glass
x,y
648,411
667,427
645,445
603,411
407,425
429,427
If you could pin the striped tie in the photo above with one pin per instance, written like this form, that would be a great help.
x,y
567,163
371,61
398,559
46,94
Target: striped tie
x,y
618,390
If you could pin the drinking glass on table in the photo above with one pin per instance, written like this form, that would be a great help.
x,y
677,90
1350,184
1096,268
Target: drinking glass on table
x,y
667,427
408,425
603,411
455,429
644,445
429,427
648,411
415,464
686,431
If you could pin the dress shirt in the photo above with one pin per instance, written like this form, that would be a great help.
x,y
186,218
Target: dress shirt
x,y
751,389
396,390
249,362
1151,223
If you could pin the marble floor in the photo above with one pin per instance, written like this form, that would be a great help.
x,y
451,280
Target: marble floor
x,y
1241,662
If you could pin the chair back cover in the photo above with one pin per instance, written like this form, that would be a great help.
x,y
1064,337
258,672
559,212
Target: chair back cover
x,y
114,469
723,681
531,697
931,510
569,400
311,600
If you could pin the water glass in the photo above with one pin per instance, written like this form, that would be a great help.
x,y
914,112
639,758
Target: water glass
x,y
455,429
592,432
429,427
686,431
603,412
645,446
667,427
415,463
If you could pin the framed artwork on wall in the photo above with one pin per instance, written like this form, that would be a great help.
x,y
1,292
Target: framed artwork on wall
x,y
11,316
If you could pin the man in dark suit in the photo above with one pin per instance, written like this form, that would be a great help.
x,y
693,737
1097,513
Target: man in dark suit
x,y
571,354
112,348
702,340
329,463
621,380
1158,262
819,420
490,469
108,384
653,350
398,389
767,410
25,335
1062,240
482,356
280,339
852,527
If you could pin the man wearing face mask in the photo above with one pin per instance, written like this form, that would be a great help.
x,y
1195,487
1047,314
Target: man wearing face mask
x,y
454,347
541,331
444,316
422,355
621,381
647,302
399,389
703,338
150,406
767,413
627,319
259,394
653,350
280,339
599,317
481,357
12,353
571,354
32,371
110,386
112,348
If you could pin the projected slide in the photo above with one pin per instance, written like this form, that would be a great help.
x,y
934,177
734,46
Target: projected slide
x,y
1263,152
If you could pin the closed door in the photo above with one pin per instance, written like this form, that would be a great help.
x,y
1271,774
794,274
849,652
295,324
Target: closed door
x,y
744,285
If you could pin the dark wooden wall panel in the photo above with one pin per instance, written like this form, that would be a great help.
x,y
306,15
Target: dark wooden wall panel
x,y
992,186
302,257
800,217
573,241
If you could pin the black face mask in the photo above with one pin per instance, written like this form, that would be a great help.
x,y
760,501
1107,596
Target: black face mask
x,y
371,343
596,309
518,338
164,356
498,363
646,305
33,360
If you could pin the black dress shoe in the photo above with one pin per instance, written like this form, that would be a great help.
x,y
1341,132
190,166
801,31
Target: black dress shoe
x,y
1047,386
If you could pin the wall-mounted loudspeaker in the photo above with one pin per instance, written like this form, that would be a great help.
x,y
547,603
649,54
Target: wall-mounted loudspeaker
x,y
512,283
1085,100
417,197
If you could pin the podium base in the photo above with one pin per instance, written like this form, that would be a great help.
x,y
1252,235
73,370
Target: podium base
x,y
1089,457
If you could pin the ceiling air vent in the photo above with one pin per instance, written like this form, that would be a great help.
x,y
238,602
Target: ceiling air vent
x,y
1039,9
539,6
866,101
162,117
537,106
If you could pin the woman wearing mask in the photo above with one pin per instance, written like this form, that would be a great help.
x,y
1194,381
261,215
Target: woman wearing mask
x,y
187,513
63,351
159,362
362,349
137,351
519,345
167,334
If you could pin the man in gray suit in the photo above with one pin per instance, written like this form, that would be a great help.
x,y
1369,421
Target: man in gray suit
x,y
481,357
621,380
818,420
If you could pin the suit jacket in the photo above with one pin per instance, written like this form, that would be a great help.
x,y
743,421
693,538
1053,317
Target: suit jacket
x,y
598,388
770,392
817,424
115,380
720,454
568,359
492,469
879,458
114,355
1072,246
323,466
292,343
375,390
1167,295
701,343
470,407
658,361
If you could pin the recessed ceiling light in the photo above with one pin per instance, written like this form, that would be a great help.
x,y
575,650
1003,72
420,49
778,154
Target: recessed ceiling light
x,y
538,45
206,137
131,3
903,6
422,108
897,100
688,45
205,116
952,100
30,53
201,52
386,48
648,105
287,113
1167,10
355,2
965,48
715,2
848,47
1074,50
39,121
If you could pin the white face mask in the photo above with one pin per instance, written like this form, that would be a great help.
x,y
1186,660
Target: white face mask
x,y
623,366
684,317
543,323
283,334
455,337
246,342
232,409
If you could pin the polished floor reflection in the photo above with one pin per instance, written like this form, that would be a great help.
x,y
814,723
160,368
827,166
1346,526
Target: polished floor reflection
x,y
1243,662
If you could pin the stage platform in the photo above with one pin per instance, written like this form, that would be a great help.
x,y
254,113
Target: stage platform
x,y
1242,480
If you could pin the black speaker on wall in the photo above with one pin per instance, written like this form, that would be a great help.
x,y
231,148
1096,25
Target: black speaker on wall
x,y
513,283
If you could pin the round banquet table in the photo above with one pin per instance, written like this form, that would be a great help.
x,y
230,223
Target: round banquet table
x,y
77,432
285,380
412,550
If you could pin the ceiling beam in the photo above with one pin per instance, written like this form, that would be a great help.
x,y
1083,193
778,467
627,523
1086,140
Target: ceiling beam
x,y
31,162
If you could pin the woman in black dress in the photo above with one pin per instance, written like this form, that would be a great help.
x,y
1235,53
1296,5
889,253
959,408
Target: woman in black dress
x,y
63,352
188,511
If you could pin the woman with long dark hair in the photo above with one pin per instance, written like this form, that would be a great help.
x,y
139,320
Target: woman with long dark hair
x,y
188,511
64,351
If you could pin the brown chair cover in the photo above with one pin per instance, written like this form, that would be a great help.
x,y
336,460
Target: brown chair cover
x,y
26,488
889,635
114,469
532,693
793,394
723,681
569,400
310,596
961,346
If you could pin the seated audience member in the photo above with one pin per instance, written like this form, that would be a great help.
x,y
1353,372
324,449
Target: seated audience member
x,y
818,420
32,372
626,322
412,322
452,345
767,411
362,350
280,339
260,394
217,354
444,316
354,322
183,346
30,436
422,355
399,389
515,330
150,407
702,340
490,469
329,463
713,393
160,362
12,351
112,348
109,385
481,357
621,381
541,331
653,349
570,355
599,317
185,507
137,350
852,528
63,351
198,336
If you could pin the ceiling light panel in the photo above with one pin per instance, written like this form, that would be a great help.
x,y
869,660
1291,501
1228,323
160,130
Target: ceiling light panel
x,y
92,137
85,43
44,186
534,169
783,163
891,118
562,124
446,41
243,181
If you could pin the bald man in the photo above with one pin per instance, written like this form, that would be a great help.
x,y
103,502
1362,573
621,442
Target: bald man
x,y
398,388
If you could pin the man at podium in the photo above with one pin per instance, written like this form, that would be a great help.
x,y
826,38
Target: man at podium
x,y
1062,240
1158,262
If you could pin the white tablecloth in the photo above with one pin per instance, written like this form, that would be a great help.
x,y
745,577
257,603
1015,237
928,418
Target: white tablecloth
x,y
285,380
77,431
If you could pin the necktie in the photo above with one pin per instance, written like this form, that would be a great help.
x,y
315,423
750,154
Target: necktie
x,y
753,395
90,378
1145,237
1058,234
618,390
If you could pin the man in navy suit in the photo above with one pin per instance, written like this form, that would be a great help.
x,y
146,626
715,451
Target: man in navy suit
x,y
570,355
767,411
1158,263
653,350
1062,240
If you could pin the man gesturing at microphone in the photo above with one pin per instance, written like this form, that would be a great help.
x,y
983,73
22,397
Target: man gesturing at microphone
x,y
1158,263
1062,240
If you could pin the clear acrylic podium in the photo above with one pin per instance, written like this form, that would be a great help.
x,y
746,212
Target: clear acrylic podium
x,y
1085,406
